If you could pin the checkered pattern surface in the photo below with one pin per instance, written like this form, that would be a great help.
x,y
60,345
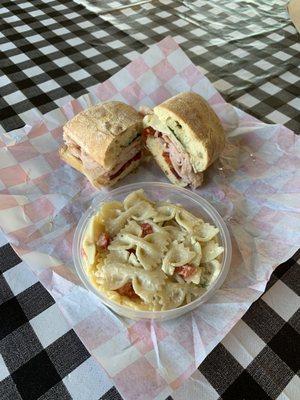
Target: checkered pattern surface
x,y
52,50
40,357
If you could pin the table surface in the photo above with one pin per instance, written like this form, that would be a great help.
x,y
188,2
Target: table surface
x,y
53,51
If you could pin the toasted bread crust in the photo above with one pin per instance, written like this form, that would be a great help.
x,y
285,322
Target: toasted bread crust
x,y
96,129
193,119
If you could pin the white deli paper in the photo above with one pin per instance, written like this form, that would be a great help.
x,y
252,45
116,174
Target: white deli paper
x,y
42,199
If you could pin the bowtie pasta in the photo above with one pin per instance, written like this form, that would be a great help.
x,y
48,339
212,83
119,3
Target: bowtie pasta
x,y
150,255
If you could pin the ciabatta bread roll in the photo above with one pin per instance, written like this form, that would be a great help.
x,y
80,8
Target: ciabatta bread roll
x,y
185,137
104,142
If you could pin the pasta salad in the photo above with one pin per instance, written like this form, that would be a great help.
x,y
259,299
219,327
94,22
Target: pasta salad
x,y
150,255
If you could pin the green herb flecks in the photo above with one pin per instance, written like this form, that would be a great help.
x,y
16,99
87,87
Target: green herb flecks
x,y
172,130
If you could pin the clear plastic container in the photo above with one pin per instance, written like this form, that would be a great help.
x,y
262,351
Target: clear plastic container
x,y
156,191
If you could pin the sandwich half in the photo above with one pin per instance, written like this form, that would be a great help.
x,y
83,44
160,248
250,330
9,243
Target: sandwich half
x,y
185,137
104,142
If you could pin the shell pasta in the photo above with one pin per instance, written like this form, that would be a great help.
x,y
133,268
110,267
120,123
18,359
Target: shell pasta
x,y
150,255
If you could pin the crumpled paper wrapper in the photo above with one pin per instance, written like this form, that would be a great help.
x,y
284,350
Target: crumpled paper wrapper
x,y
256,190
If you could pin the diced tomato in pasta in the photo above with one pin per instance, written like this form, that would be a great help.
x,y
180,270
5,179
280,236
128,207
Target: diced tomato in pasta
x,y
127,290
185,271
104,240
146,229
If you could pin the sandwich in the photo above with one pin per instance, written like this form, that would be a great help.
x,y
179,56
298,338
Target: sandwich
x,y
104,142
185,137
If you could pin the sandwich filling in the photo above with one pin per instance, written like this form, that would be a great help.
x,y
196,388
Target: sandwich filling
x,y
128,155
176,157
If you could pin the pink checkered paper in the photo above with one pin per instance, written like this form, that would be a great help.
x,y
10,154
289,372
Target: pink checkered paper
x,y
41,200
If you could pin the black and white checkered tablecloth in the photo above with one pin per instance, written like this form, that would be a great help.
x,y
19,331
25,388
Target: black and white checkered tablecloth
x,y
52,51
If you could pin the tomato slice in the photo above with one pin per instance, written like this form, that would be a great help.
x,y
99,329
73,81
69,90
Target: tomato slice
x,y
124,166
149,131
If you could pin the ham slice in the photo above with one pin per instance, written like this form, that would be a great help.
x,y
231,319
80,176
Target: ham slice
x,y
128,155
177,158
